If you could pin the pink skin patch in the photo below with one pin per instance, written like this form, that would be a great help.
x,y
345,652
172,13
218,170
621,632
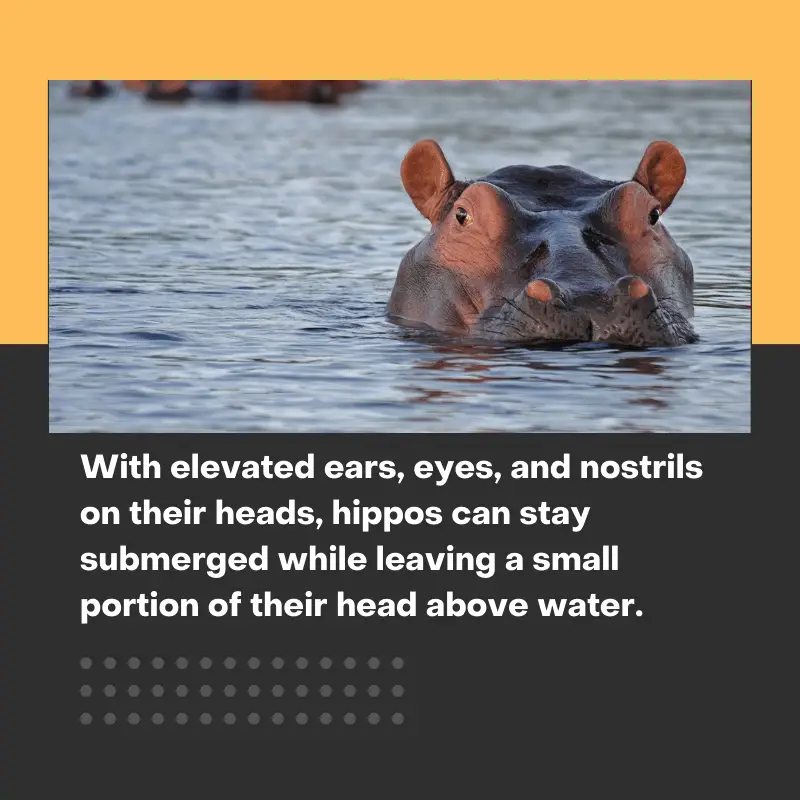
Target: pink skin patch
x,y
637,288
539,290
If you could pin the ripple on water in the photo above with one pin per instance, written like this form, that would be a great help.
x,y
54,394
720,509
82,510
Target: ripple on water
x,y
154,336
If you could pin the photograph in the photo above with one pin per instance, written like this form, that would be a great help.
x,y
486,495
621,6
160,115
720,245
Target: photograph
x,y
356,256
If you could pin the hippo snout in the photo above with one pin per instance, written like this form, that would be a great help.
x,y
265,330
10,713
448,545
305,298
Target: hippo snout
x,y
542,312
634,316
628,313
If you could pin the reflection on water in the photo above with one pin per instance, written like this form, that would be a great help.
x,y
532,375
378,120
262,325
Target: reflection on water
x,y
484,365
644,365
226,268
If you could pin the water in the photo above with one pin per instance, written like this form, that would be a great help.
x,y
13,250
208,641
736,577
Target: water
x,y
225,268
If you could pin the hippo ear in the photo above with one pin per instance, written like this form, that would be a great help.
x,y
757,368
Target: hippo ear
x,y
661,171
426,177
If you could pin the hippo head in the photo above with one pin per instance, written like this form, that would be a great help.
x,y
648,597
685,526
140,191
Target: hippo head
x,y
546,254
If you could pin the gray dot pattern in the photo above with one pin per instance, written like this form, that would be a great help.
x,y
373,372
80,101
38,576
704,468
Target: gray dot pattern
x,y
251,717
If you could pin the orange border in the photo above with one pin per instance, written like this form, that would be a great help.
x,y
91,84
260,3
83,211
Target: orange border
x,y
458,39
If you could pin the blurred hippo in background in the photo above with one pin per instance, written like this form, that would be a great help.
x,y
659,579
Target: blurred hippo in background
x,y
90,89
317,92
546,254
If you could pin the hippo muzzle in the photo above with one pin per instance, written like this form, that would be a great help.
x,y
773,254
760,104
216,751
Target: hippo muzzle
x,y
629,314
546,255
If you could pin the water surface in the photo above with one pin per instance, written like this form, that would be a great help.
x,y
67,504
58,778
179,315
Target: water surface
x,y
226,268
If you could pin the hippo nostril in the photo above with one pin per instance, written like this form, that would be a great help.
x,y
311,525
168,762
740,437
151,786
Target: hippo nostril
x,y
633,288
637,288
539,290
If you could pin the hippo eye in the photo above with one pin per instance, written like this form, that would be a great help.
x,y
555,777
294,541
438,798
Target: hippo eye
x,y
462,216
654,215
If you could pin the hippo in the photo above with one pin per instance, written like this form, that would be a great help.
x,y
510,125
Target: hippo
x,y
546,255
93,90
311,91
168,91
319,92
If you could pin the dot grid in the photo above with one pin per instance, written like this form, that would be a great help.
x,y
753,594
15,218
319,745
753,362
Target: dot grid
x,y
268,692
